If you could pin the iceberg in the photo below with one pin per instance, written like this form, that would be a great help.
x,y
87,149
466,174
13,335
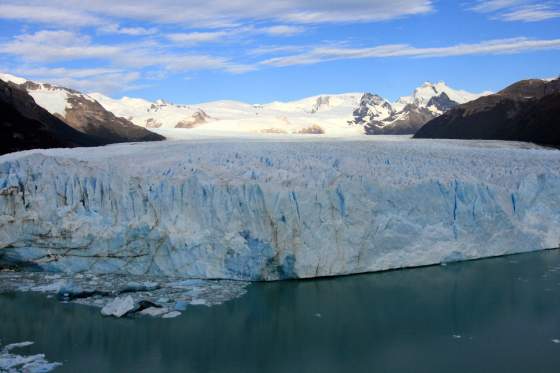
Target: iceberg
x,y
256,209
118,307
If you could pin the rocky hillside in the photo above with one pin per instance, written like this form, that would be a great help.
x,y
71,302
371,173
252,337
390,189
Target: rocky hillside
x,y
25,125
528,110
82,112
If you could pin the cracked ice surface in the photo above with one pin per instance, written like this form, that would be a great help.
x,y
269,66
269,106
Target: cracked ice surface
x,y
162,293
13,363
257,209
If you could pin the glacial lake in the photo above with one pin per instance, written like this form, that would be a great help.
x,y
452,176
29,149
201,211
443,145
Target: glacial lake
x,y
493,315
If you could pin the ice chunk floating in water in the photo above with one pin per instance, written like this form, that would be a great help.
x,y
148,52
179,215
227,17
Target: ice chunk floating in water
x,y
262,210
11,362
118,307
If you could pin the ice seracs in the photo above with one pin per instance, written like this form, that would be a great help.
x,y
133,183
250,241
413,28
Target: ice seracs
x,y
266,210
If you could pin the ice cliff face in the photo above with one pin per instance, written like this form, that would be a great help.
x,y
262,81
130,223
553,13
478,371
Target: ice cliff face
x,y
275,210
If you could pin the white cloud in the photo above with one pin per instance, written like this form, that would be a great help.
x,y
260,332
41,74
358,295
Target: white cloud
x,y
213,12
283,30
196,37
518,10
56,46
275,49
488,6
108,83
61,72
232,34
502,46
106,80
133,31
42,12
531,13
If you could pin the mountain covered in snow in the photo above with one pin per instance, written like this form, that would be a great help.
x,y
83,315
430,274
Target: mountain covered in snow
x,y
25,125
528,110
337,115
319,114
349,114
409,113
82,112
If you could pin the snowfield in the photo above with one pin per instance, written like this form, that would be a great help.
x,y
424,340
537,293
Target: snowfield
x,y
277,207
328,114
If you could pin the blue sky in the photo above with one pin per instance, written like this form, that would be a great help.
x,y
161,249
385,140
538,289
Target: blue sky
x,y
194,51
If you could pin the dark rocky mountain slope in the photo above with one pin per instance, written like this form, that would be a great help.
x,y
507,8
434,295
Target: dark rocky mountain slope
x,y
528,110
82,112
25,125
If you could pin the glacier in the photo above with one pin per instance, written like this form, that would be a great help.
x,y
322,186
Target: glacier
x,y
276,208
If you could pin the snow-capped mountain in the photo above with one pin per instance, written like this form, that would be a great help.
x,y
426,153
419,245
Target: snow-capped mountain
x,y
82,112
409,113
347,114
527,110
337,115
424,95
25,125
319,114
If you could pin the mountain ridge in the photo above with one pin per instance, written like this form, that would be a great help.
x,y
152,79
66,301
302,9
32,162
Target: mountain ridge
x,y
527,110
25,125
343,114
82,112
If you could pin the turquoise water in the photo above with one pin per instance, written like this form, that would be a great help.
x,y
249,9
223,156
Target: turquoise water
x,y
494,315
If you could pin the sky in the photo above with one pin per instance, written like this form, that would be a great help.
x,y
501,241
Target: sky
x,y
189,51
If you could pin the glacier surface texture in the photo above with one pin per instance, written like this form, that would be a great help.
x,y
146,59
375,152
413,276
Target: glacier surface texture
x,y
267,210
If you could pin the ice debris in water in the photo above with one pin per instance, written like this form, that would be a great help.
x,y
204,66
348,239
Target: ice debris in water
x,y
154,311
181,305
171,314
126,295
13,363
118,307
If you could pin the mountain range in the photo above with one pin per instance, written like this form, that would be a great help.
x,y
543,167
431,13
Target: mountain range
x,y
339,114
528,110
134,119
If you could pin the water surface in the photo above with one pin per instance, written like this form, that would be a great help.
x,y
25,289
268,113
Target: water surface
x,y
494,315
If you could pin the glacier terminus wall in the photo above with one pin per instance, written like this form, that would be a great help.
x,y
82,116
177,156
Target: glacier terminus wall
x,y
268,210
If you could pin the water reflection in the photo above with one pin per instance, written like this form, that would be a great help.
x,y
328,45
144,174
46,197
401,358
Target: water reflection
x,y
485,316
